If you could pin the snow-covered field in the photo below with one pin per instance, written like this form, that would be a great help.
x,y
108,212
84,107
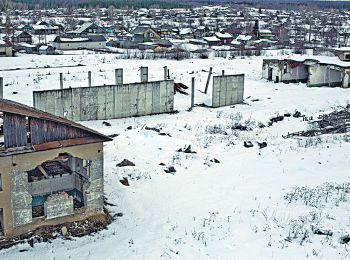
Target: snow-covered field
x,y
223,202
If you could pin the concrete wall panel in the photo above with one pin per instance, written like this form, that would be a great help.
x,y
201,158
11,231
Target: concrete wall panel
x,y
133,97
75,104
101,103
88,104
107,102
149,98
141,98
156,98
109,92
227,90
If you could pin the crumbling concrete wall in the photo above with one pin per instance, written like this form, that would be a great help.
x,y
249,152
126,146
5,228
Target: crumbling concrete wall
x,y
94,192
107,102
324,75
58,205
227,90
21,199
58,183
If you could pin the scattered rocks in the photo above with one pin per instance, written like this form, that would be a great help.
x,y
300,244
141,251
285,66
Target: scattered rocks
x,y
248,144
276,119
113,135
171,169
125,162
165,134
106,123
297,114
262,145
125,181
287,115
162,164
215,160
345,239
119,214
152,129
321,232
239,127
64,231
129,127
187,149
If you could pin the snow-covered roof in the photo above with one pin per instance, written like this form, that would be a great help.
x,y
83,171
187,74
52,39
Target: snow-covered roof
x,y
83,28
265,31
78,39
318,59
44,27
185,31
342,49
211,39
243,37
234,42
223,35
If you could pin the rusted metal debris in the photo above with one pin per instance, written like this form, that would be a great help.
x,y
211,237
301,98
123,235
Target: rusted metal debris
x,y
337,122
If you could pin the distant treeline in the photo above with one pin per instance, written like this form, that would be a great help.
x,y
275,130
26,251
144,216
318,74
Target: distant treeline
x,y
167,4
130,4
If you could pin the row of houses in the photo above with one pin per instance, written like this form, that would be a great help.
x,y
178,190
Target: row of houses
x,y
238,27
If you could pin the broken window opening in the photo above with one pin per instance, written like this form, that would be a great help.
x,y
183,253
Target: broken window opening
x,y
65,173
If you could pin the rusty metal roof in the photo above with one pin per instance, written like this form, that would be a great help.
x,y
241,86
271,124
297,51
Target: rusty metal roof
x,y
13,107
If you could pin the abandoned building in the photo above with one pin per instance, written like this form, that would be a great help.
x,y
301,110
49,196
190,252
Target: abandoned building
x,y
51,169
285,70
315,71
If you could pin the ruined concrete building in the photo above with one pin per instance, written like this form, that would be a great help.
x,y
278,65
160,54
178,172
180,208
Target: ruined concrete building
x,y
315,71
51,169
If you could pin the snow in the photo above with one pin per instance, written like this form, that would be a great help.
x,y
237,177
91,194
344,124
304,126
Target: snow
x,y
223,35
211,39
77,39
234,209
320,59
244,37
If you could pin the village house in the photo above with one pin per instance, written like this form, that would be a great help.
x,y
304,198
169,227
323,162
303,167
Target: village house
x,y
79,42
51,170
5,49
46,50
265,34
89,28
43,28
21,36
225,38
212,40
144,34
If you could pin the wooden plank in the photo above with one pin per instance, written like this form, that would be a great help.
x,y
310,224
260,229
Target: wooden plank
x,y
15,130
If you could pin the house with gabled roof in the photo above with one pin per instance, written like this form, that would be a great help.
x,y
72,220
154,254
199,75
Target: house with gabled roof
x,y
89,28
144,33
51,170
